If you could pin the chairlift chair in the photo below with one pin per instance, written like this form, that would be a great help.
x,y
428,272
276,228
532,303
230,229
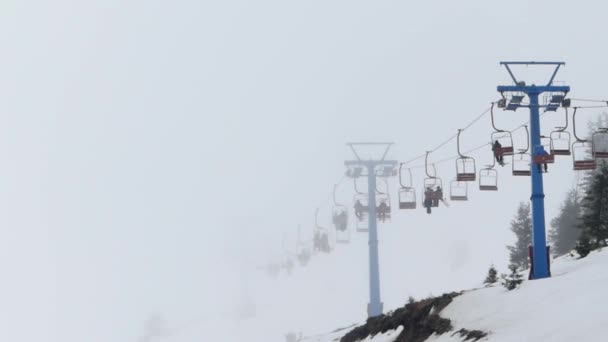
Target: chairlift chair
x,y
549,158
560,139
522,164
362,227
458,191
560,143
465,166
433,190
361,202
582,156
504,138
582,150
488,179
506,141
339,215
599,140
383,204
407,193
340,220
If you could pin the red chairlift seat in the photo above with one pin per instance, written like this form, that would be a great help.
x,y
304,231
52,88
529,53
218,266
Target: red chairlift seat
x,y
465,169
505,150
546,159
600,143
582,165
582,156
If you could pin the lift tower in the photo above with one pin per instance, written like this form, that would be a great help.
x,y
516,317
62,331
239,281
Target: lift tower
x,y
374,168
540,259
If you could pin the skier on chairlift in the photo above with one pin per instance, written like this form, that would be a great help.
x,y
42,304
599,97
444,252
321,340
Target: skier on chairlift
x,y
316,242
428,202
438,196
497,149
382,210
358,209
539,150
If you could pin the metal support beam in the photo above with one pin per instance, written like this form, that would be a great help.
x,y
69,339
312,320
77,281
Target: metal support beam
x,y
539,240
374,307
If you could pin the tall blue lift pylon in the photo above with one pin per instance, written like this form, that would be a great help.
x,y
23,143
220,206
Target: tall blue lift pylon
x,y
375,168
540,258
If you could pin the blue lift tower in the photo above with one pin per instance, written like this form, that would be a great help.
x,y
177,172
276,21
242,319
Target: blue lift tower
x,y
556,98
372,168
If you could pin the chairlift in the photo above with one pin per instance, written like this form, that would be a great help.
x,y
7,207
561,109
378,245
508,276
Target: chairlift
x,y
458,191
433,188
361,201
354,171
321,236
522,162
383,208
340,220
560,140
407,193
465,166
582,150
504,138
515,102
488,177
600,143
555,101
548,158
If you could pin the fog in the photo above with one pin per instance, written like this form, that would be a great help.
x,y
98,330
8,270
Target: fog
x,y
157,154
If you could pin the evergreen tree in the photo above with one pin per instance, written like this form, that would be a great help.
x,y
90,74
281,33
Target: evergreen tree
x,y
491,278
594,219
512,280
583,245
564,228
521,226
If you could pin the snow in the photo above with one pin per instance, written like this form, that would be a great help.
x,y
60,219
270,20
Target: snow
x,y
325,299
571,305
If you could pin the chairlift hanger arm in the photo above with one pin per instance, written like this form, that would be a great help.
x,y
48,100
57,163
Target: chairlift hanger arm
x,y
527,139
492,117
574,127
562,129
458,145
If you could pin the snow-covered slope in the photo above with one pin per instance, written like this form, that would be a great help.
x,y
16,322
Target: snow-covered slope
x,y
571,305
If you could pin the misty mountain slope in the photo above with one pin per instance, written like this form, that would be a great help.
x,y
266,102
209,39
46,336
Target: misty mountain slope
x,y
541,310
332,290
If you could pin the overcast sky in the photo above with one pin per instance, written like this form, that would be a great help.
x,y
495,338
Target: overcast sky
x,y
152,148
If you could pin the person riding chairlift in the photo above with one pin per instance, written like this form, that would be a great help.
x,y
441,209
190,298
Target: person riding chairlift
x,y
497,149
540,151
438,195
428,202
382,211
358,209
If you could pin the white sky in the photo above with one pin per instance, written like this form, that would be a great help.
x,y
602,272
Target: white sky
x,y
151,147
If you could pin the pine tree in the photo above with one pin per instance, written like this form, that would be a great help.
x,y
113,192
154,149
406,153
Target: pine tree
x,y
594,219
521,226
491,278
512,280
565,227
